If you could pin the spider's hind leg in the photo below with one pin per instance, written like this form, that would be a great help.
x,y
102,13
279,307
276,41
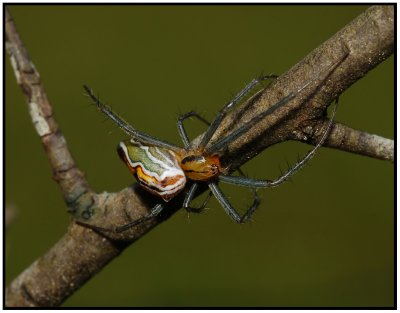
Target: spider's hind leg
x,y
229,209
153,213
256,200
259,183
250,211
189,197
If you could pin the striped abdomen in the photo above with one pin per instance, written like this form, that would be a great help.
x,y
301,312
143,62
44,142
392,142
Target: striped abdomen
x,y
156,169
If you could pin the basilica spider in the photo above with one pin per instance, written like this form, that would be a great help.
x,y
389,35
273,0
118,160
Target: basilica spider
x,y
164,169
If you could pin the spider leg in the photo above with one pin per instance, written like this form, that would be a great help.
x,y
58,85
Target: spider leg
x,y
98,228
181,128
258,183
192,190
132,132
222,113
153,213
229,209
189,197
243,129
253,189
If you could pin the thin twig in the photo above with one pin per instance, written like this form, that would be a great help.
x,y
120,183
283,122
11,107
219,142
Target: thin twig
x,y
82,252
71,180
352,140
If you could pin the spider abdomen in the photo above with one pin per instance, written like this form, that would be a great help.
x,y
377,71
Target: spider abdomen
x,y
199,167
156,169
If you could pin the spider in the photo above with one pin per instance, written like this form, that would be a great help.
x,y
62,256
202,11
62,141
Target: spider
x,y
164,169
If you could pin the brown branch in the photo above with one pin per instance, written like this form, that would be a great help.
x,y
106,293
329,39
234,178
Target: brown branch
x,y
71,180
352,140
369,39
81,253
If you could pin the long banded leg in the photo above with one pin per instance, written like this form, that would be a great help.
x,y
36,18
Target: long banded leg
x,y
258,183
243,129
153,213
132,132
229,209
189,197
222,113
181,128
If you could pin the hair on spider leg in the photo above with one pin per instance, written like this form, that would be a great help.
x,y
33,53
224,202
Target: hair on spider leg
x,y
287,163
262,77
106,121
288,168
298,159
189,214
280,169
195,208
242,172
178,112
96,100
88,93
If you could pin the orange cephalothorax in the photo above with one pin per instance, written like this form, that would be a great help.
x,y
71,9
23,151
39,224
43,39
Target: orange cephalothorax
x,y
199,167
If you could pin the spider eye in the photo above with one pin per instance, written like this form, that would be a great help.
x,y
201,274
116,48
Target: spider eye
x,y
193,158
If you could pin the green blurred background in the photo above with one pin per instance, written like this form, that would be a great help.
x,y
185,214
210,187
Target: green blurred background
x,y
326,239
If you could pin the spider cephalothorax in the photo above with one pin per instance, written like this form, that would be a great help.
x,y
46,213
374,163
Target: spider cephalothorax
x,y
165,169
201,167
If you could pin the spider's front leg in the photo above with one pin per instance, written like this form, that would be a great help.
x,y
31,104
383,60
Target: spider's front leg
x,y
222,113
181,127
138,136
217,121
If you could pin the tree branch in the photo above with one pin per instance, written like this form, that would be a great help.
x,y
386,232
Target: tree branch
x,y
82,252
352,140
71,180
369,39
